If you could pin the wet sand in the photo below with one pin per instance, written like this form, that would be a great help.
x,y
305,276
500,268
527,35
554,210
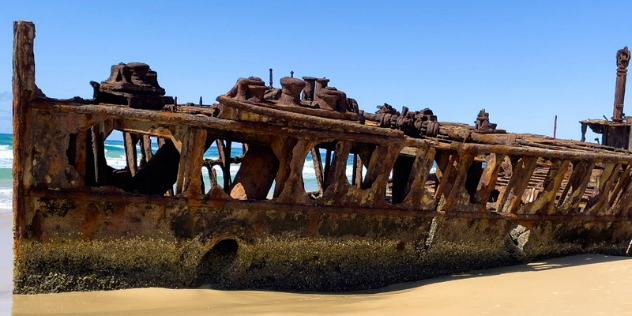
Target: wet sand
x,y
579,285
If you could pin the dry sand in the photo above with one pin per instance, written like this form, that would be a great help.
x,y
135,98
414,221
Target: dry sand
x,y
579,285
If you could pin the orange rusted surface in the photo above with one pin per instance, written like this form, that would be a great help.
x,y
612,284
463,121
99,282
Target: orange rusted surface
x,y
425,197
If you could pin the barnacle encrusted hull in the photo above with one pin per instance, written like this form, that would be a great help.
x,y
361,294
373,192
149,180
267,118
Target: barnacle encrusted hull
x,y
400,196
140,245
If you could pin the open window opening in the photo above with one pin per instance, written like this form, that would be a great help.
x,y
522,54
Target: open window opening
x,y
317,165
132,161
313,173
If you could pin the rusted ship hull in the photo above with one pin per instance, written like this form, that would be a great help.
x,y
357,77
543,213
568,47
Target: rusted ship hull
x,y
495,198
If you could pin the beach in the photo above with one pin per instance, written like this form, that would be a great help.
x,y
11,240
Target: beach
x,y
578,285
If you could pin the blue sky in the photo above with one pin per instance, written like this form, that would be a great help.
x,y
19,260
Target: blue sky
x,y
523,61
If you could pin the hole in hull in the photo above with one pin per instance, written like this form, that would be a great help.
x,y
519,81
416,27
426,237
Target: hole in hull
x,y
215,262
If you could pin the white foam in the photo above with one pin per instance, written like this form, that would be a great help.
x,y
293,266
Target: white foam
x,y
6,156
6,152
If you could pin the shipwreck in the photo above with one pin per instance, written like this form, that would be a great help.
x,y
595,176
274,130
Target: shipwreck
x,y
425,198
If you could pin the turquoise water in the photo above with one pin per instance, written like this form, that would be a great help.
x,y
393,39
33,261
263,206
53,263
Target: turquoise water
x,y
115,155
6,177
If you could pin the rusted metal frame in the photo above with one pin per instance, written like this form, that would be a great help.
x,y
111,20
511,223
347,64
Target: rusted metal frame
x,y
358,170
130,140
226,165
191,161
219,162
456,187
283,149
477,149
98,148
378,173
621,197
553,147
545,203
448,175
171,119
512,198
598,203
81,155
211,122
578,145
221,152
349,116
143,128
262,206
416,195
376,166
318,169
578,182
298,120
487,184
293,190
146,152
24,90
623,180
336,182
622,206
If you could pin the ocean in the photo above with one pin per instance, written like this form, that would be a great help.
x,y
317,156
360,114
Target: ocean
x,y
6,176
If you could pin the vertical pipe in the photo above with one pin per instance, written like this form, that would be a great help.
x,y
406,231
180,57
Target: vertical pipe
x,y
271,79
623,59
555,128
